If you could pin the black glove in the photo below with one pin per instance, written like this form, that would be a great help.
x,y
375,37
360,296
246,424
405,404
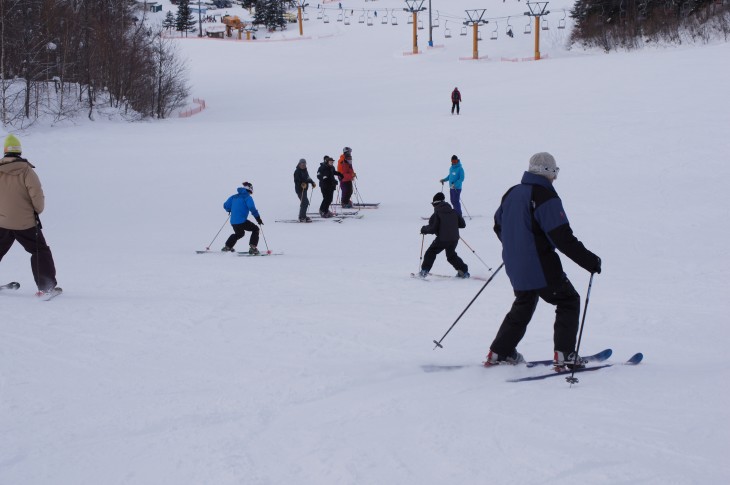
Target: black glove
x,y
597,267
261,223
424,229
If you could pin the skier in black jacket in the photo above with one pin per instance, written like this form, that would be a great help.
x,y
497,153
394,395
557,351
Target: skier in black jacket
x,y
445,223
327,184
301,184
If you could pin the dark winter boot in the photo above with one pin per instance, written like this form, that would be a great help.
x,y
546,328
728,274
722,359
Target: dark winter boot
x,y
495,359
571,361
252,250
226,249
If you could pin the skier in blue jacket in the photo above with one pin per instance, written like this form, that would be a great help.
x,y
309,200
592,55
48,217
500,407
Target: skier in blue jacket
x,y
455,179
239,206
531,223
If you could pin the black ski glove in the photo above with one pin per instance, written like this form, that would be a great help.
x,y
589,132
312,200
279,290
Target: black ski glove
x,y
424,229
597,267
261,223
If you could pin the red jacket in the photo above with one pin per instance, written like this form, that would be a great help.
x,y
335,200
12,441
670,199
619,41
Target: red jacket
x,y
455,96
345,168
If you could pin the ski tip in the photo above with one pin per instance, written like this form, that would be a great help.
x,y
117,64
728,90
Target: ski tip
x,y
635,359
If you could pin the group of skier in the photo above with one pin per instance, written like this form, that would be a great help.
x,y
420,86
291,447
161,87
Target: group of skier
x,y
328,177
531,224
241,204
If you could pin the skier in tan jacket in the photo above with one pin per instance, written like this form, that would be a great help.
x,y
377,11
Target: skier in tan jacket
x,y
21,200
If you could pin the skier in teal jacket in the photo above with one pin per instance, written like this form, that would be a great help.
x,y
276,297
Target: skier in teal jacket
x,y
455,179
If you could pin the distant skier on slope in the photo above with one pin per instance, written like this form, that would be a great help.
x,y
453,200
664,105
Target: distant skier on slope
x,y
21,201
531,223
301,184
344,166
327,176
445,224
455,100
239,205
455,178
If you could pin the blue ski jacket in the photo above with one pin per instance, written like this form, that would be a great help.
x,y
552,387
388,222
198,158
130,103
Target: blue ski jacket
x,y
456,176
531,224
240,205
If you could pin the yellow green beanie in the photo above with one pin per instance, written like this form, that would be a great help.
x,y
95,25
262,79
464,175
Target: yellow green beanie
x,y
12,145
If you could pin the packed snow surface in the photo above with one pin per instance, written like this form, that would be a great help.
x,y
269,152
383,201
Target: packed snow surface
x,y
162,366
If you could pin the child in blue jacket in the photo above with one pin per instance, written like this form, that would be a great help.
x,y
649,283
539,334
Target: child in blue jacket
x,y
239,206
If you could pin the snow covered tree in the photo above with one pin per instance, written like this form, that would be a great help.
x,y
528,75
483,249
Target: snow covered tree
x,y
184,20
270,13
169,22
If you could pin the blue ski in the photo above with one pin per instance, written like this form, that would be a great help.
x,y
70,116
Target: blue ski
x,y
599,357
634,360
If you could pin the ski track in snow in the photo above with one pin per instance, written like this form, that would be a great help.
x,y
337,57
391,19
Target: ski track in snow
x,y
158,365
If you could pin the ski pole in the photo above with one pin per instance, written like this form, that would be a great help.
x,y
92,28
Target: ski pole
x,y
475,253
572,379
268,251
357,194
217,233
438,344
420,258
461,201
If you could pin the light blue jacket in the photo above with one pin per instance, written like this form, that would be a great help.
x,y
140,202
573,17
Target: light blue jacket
x,y
240,205
456,176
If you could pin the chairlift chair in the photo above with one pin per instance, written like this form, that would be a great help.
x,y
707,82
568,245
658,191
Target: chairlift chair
x,y
410,20
361,19
384,18
495,34
326,19
394,20
463,30
320,14
370,21
544,25
528,27
347,20
420,24
340,16
305,16
561,22
479,35
435,22
447,30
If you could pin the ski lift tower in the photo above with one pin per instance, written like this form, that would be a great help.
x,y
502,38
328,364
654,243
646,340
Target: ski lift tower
x,y
537,10
300,6
475,20
430,25
415,6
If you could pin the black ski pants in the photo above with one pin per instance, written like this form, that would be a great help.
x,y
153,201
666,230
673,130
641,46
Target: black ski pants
x,y
239,230
41,259
327,196
567,312
450,247
455,105
303,204
346,192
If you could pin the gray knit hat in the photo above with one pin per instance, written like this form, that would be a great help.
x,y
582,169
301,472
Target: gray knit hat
x,y
543,164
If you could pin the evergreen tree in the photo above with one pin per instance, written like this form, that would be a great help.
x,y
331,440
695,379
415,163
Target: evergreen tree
x,y
270,13
184,20
169,22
